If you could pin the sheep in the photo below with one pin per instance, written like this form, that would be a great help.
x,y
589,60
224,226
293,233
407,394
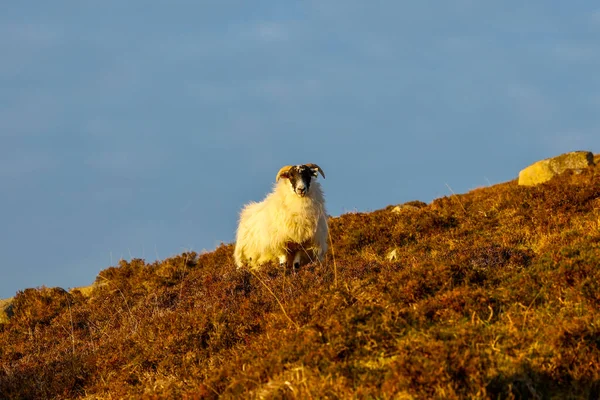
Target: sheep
x,y
290,224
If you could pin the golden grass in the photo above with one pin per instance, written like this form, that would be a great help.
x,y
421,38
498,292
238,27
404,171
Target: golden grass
x,y
490,294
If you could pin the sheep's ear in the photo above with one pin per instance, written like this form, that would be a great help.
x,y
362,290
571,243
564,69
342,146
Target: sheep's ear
x,y
315,168
283,172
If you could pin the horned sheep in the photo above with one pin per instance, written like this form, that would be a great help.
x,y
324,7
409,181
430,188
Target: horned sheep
x,y
289,225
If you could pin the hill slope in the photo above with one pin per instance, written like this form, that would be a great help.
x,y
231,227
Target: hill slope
x,y
490,294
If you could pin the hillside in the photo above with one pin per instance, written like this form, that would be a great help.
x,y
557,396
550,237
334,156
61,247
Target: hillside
x,y
490,294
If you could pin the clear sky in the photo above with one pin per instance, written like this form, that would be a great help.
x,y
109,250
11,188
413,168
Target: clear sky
x,y
140,128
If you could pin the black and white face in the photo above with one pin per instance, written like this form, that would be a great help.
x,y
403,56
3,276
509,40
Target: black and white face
x,y
299,177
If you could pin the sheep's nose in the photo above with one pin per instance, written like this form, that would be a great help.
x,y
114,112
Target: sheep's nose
x,y
301,190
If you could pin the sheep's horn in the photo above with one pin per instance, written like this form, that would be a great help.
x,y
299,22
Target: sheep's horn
x,y
313,166
282,171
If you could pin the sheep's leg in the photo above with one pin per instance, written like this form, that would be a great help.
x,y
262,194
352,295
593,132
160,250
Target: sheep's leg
x,y
283,260
297,260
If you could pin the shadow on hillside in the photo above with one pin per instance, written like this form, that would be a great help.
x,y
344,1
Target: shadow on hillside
x,y
531,384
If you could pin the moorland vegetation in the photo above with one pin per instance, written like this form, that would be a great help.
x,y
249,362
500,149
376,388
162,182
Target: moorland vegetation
x,y
490,294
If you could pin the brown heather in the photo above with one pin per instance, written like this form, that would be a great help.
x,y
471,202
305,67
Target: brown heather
x,y
492,294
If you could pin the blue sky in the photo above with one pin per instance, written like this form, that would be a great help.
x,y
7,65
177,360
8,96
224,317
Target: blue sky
x,y
140,128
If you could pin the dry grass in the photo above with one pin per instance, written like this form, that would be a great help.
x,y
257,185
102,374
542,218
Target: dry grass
x,y
492,294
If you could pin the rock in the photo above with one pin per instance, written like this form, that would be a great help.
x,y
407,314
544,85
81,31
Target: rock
x,y
545,170
409,206
392,255
5,310
86,291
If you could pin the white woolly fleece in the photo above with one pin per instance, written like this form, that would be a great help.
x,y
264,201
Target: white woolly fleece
x,y
267,229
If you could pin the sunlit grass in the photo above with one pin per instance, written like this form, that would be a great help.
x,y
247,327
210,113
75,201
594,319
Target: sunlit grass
x,y
490,294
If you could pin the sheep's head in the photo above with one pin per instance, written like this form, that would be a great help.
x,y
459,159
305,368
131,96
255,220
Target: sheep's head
x,y
300,176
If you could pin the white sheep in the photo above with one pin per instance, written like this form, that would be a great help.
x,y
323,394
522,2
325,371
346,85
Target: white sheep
x,y
289,224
